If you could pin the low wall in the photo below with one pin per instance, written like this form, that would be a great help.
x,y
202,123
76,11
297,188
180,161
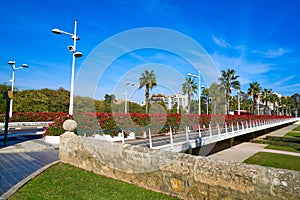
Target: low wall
x,y
177,174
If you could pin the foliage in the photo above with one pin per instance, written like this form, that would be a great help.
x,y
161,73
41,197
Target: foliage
x,y
283,139
229,80
190,88
147,79
110,98
254,90
278,143
275,160
56,128
63,181
3,87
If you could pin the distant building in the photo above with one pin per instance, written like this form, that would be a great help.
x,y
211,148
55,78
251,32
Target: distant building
x,y
177,99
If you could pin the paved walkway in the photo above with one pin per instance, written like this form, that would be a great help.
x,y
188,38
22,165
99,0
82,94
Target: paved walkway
x,y
241,152
21,162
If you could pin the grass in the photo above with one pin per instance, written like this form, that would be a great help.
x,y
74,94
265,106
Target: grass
x,y
282,148
297,128
63,181
275,160
293,134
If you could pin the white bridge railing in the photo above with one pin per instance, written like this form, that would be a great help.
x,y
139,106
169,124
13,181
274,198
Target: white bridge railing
x,y
215,133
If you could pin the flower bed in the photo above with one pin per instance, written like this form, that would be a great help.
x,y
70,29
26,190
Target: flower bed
x,y
113,123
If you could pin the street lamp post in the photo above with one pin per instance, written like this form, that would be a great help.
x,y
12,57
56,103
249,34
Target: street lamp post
x,y
199,89
12,64
127,84
75,55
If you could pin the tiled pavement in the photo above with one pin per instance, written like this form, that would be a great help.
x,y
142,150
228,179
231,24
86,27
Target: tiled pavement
x,y
14,167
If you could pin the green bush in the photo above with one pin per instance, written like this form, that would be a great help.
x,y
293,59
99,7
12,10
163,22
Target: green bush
x,y
283,139
278,143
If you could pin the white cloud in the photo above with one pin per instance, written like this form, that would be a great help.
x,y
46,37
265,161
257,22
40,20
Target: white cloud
x,y
248,71
284,80
220,42
272,53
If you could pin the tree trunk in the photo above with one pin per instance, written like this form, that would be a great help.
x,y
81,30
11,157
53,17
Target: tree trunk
x,y
147,98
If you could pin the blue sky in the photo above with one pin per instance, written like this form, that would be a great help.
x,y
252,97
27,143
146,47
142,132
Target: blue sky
x,y
259,39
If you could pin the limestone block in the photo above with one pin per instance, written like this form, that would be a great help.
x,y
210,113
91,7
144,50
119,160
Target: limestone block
x,y
69,125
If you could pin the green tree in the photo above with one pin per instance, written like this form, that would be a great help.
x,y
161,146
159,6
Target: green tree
x,y
110,98
266,98
58,100
274,99
3,87
30,101
189,88
147,79
217,98
254,90
229,80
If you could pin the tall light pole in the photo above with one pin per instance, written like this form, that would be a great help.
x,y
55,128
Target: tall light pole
x,y
12,64
199,89
75,55
127,84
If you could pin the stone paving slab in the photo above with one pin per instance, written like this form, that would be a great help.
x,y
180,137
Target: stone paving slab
x,y
15,167
28,146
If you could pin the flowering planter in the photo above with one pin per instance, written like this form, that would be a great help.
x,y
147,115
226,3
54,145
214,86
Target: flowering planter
x,y
52,139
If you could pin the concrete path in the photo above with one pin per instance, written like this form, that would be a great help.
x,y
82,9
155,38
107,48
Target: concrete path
x,y
22,162
241,152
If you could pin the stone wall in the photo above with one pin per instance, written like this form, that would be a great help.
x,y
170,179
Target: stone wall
x,y
177,174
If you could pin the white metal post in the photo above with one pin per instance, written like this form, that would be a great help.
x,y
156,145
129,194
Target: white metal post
x,y
123,137
12,90
187,133
199,95
239,103
74,37
171,138
150,139
125,98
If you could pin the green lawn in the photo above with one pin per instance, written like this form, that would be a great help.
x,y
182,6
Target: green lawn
x,y
293,134
297,129
63,181
282,148
275,160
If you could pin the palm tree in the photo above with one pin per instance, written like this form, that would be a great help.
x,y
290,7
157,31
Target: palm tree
x,y
148,80
254,90
265,96
229,80
190,88
274,99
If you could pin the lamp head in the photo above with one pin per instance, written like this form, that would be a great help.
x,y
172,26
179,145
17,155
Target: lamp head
x,y
56,31
78,54
25,66
11,62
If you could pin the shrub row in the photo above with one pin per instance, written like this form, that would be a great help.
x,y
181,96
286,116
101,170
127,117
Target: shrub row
x,y
283,139
278,143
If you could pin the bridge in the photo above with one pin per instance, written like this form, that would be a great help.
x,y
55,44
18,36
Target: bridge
x,y
183,141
